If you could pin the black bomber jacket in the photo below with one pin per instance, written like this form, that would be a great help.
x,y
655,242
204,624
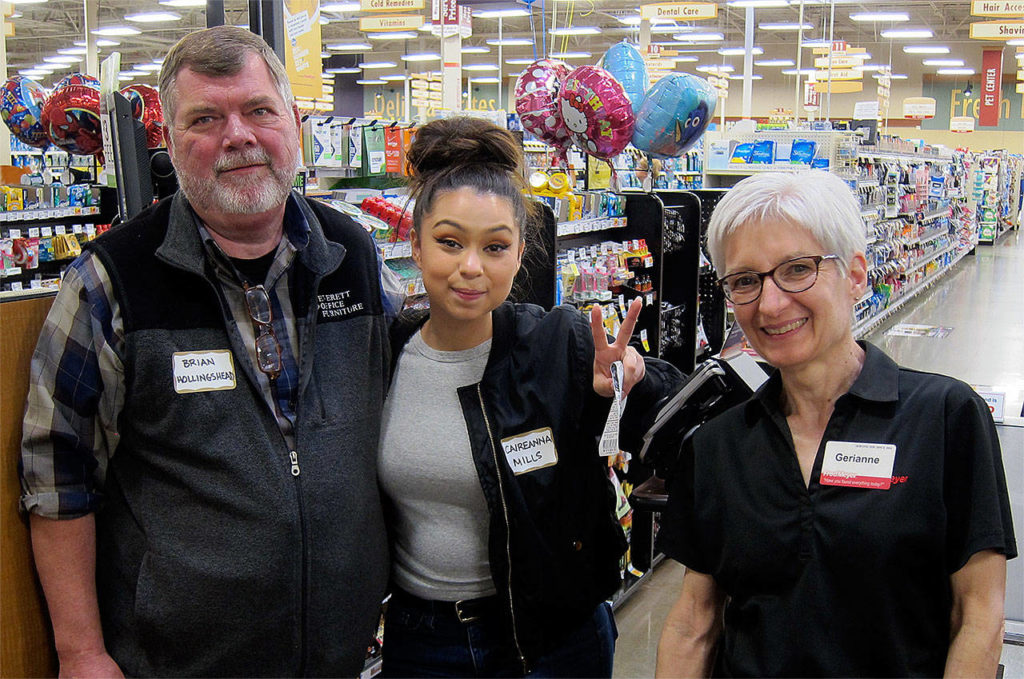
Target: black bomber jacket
x,y
534,422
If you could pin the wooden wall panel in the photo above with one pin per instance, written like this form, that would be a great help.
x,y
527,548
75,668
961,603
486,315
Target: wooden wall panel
x,y
26,639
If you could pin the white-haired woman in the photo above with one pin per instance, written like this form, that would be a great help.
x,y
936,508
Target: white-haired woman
x,y
851,519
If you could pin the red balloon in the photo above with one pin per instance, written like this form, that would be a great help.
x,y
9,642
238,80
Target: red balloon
x,y
71,117
146,109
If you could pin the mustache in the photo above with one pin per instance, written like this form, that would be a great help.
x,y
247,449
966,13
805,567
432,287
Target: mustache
x,y
241,159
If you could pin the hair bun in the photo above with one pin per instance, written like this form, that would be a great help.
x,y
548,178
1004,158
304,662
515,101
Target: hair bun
x,y
443,145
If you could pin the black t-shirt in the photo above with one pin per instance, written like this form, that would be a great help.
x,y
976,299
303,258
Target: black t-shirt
x,y
837,581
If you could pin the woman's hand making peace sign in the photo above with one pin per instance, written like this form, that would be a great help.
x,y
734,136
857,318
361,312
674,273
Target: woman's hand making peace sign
x,y
605,354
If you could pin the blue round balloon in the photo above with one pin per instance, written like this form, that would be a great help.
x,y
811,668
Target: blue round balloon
x,y
21,106
674,114
627,65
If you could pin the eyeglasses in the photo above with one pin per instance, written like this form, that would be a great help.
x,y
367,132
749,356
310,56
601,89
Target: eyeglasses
x,y
268,349
793,275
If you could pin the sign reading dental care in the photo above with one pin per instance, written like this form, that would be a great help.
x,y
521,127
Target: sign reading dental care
x,y
997,8
991,85
679,10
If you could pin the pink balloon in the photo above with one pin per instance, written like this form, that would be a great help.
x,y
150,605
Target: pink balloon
x,y
596,109
536,96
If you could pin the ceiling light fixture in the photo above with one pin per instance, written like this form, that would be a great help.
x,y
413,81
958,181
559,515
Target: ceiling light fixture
x,y
340,7
955,71
349,46
775,62
63,59
480,67
500,13
957,63
716,68
72,50
487,80
393,35
421,56
684,59
906,33
867,68
374,81
510,42
784,26
753,76
571,55
758,3
698,37
800,71
814,44
394,77
891,76
342,69
152,17
739,51
880,16
519,62
477,49
116,31
183,3
367,65
576,30
925,49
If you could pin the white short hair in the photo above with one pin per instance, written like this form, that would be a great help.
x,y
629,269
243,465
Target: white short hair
x,y
819,202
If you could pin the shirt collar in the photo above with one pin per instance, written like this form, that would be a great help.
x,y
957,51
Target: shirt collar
x,y
878,380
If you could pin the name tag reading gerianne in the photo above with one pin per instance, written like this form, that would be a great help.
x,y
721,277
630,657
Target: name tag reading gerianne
x,y
530,451
196,371
858,465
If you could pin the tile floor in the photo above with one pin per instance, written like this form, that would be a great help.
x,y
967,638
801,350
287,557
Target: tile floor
x,y
983,301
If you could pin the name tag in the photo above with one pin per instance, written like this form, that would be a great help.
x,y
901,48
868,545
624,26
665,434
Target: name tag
x,y
858,465
530,451
196,371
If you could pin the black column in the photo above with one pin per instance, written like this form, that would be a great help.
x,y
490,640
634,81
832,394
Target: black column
x,y
266,19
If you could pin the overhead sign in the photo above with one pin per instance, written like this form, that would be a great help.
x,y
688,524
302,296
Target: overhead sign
x,y
840,87
838,61
997,30
302,48
1020,88
991,84
865,110
679,10
379,24
839,74
390,5
919,108
997,8
961,124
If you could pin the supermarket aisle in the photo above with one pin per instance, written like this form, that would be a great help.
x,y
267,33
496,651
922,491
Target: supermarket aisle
x,y
983,301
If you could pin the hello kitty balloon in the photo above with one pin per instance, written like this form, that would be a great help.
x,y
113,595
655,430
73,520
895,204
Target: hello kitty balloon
x,y
597,111
536,97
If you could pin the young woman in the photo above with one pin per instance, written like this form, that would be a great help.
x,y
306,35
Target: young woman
x,y
504,539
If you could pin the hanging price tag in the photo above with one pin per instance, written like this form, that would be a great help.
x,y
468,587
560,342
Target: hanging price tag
x,y
15,233
643,340
609,444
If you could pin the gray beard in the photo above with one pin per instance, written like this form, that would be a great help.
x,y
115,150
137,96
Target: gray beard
x,y
251,196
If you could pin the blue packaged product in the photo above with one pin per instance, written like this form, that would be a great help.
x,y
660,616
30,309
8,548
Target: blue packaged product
x,y
803,152
820,164
764,152
742,152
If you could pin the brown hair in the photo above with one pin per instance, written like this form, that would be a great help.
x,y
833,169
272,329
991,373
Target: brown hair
x,y
463,151
218,51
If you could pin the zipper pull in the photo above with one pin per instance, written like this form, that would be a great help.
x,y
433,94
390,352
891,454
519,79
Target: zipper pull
x,y
295,462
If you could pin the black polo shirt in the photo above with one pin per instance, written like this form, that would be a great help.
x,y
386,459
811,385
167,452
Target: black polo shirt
x,y
837,581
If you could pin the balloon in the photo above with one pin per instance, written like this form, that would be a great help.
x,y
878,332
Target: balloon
x,y
71,115
21,109
674,114
597,111
536,96
146,109
627,65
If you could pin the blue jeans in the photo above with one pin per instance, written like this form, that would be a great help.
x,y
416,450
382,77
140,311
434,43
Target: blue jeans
x,y
418,643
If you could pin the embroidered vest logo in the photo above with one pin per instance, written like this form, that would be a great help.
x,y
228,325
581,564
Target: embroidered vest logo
x,y
338,305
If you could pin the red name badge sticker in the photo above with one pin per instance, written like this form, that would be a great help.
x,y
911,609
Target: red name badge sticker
x,y
858,465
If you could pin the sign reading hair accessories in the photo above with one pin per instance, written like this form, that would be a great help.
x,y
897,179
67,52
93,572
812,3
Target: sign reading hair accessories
x,y
997,8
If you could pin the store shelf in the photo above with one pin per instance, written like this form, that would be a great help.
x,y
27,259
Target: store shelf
x,y
866,325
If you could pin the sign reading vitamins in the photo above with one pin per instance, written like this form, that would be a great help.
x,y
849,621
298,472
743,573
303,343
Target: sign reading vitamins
x,y
196,371
530,451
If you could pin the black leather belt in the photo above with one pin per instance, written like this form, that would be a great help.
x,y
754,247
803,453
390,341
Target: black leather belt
x,y
464,610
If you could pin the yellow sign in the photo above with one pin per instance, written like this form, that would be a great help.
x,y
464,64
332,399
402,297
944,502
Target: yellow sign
x,y
1020,88
680,10
838,62
997,8
390,5
302,52
661,64
1020,75
997,30
839,74
404,22
841,87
